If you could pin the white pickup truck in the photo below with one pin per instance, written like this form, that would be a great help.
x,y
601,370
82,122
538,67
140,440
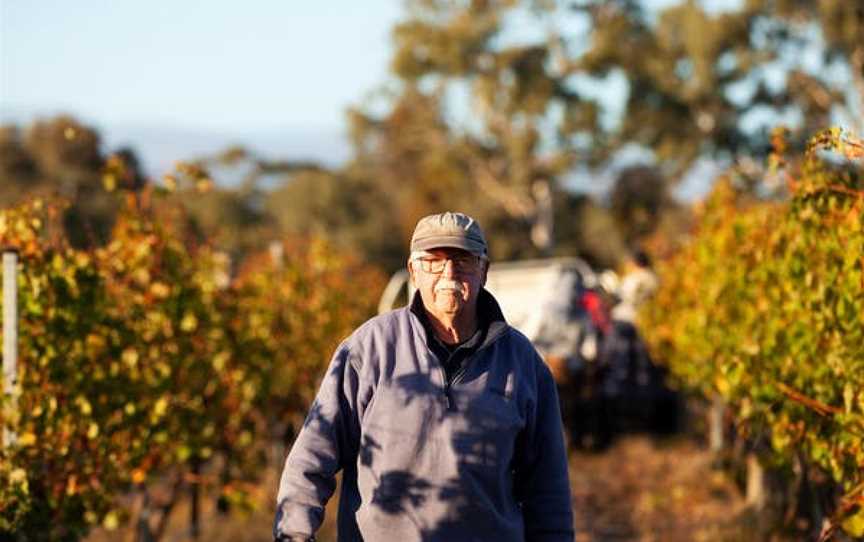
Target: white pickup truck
x,y
540,298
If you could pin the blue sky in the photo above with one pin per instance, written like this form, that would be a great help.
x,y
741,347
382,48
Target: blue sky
x,y
193,73
183,79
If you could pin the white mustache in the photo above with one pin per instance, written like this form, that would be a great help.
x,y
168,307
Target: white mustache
x,y
449,285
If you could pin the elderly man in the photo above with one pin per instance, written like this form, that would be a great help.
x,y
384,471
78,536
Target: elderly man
x,y
443,418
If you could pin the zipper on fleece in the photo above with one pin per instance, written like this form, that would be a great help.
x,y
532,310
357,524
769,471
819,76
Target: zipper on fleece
x,y
449,382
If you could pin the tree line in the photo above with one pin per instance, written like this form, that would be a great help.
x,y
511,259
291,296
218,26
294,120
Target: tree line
x,y
498,107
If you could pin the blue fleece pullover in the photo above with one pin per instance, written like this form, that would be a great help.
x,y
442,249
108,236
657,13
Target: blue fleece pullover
x,y
476,457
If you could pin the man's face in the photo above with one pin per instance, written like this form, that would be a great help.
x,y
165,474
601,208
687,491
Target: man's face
x,y
448,279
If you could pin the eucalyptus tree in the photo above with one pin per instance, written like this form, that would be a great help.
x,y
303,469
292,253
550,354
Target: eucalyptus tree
x,y
709,83
502,123
519,93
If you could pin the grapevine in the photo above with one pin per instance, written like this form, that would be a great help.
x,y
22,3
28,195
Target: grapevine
x,y
153,361
765,305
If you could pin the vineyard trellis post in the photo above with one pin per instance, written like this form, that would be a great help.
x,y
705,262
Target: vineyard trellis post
x,y
10,338
716,424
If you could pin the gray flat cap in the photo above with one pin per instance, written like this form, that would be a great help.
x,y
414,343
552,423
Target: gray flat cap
x,y
448,229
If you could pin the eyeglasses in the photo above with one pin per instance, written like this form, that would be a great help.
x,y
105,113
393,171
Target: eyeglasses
x,y
461,264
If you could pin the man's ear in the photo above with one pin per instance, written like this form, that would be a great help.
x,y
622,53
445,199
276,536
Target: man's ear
x,y
411,273
485,272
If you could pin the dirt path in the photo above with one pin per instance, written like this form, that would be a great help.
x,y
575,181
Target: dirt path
x,y
644,489
639,490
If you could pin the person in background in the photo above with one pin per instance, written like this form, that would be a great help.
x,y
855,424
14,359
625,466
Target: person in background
x,y
634,393
443,419
583,401
638,285
594,305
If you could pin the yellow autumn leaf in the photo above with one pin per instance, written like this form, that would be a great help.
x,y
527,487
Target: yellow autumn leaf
x,y
848,397
109,181
189,322
84,405
160,290
160,407
854,524
72,485
18,477
141,276
111,521
130,357
220,360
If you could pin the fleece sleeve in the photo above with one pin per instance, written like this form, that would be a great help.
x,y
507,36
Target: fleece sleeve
x,y
541,475
327,440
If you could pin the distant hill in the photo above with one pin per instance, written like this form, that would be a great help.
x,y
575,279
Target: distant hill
x,y
158,146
